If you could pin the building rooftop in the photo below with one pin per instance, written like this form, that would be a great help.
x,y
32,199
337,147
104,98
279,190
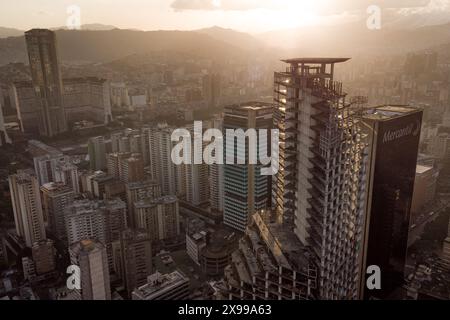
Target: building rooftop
x,y
153,202
251,105
158,282
142,184
389,112
420,169
316,60
56,187
86,246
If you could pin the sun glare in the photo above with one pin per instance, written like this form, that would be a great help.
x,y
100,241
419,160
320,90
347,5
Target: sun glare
x,y
288,14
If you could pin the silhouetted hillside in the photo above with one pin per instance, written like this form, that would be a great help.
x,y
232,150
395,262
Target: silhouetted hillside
x,y
10,32
104,46
356,38
239,39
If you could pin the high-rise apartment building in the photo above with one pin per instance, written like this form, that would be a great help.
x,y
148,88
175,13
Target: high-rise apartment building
x,y
85,219
446,249
87,99
439,146
138,191
67,173
4,138
134,141
393,134
97,183
47,82
113,162
97,153
27,106
246,190
56,197
212,89
136,259
45,166
196,179
162,168
100,220
84,99
321,180
160,217
27,206
126,167
90,256
216,182
44,256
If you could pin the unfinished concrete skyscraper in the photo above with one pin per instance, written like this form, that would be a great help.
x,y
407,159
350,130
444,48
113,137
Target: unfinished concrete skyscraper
x,y
321,176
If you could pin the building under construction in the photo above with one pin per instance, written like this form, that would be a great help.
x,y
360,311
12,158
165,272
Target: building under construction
x,y
321,181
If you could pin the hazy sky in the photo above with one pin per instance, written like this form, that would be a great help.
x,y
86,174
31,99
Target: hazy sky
x,y
244,15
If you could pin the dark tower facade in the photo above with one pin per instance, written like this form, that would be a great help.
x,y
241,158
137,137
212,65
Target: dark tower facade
x,y
47,83
393,134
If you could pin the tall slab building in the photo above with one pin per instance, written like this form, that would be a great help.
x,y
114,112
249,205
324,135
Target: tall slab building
x,y
47,82
393,134
246,190
27,206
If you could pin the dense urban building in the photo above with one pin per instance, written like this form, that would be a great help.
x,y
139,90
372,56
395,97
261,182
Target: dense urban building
x,y
4,138
27,206
99,220
90,256
162,168
195,183
133,141
425,185
87,99
45,166
44,256
56,197
216,184
139,191
136,258
97,153
160,217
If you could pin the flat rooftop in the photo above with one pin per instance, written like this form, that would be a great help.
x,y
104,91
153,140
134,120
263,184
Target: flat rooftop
x,y
389,112
422,169
251,105
316,60
159,283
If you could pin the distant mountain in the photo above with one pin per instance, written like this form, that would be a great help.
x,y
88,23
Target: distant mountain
x,y
217,43
242,40
104,46
418,20
92,27
10,32
356,38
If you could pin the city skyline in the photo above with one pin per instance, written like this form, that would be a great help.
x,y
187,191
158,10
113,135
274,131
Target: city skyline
x,y
210,166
